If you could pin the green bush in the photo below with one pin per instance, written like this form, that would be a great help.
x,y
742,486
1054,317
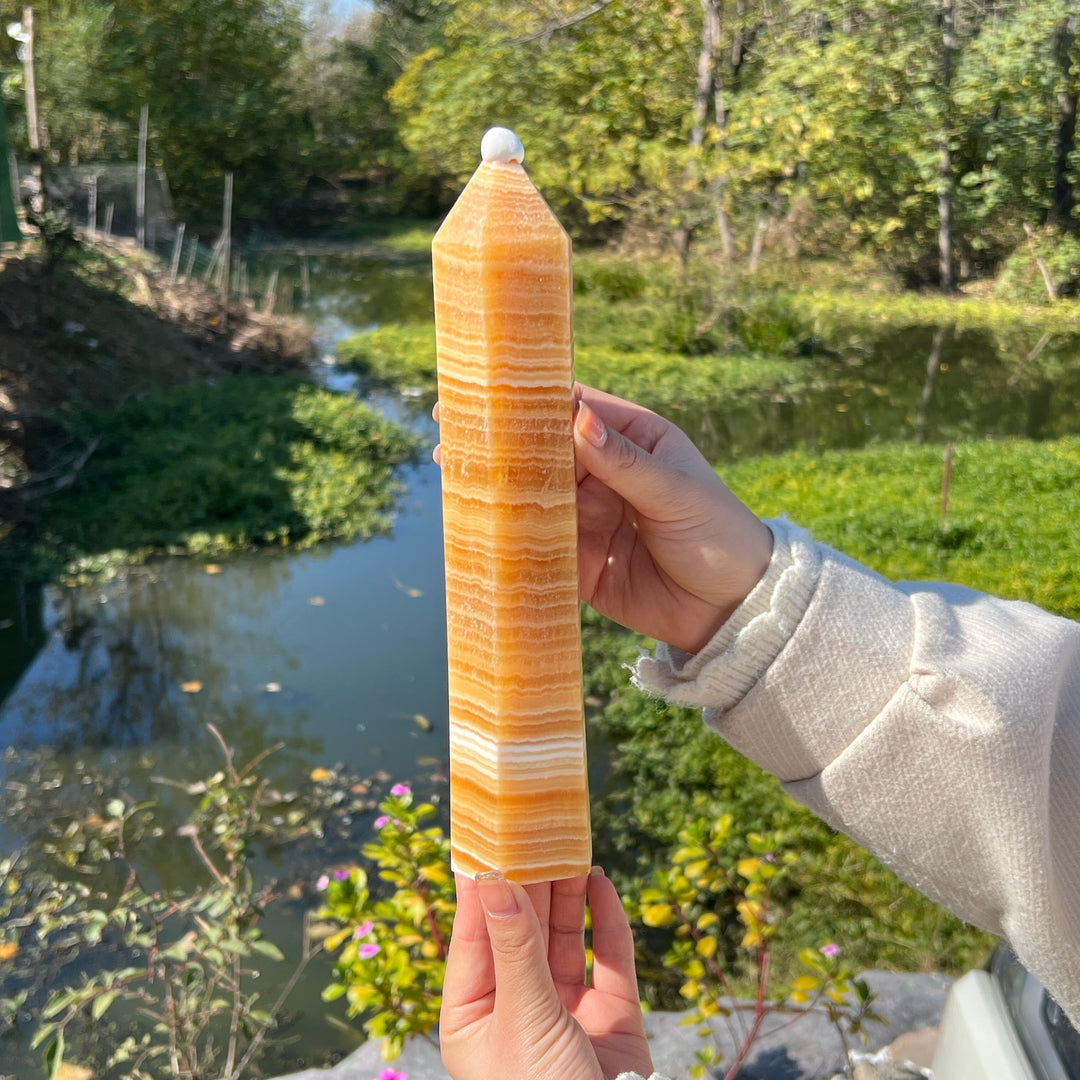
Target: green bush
x,y
1021,279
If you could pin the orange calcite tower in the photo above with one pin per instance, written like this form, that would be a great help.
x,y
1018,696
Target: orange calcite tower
x,y
503,318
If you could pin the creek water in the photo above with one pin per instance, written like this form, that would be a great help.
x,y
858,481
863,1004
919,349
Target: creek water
x,y
338,653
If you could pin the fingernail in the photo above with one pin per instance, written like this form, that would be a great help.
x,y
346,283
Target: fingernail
x,y
495,894
596,871
590,425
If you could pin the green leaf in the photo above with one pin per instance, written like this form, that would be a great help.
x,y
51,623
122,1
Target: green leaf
x,y
101,1004
268,948
54,1055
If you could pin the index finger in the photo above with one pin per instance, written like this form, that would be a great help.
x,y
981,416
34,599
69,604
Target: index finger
x,y
637,423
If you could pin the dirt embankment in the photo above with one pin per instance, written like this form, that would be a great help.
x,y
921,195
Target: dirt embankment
x,y
94,330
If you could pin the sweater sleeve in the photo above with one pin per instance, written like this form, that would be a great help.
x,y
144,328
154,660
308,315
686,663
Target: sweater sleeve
x,y
935,725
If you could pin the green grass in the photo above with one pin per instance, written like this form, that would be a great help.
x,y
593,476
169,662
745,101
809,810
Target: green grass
x,y
214,468
405,356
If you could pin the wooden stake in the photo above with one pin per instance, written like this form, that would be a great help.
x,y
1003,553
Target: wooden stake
x,y
177,248
140,179
946,485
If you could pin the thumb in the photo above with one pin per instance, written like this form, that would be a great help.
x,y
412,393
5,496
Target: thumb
x,y
628,469
523,983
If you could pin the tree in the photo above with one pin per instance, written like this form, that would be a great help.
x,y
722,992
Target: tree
x,y
215,76
598,92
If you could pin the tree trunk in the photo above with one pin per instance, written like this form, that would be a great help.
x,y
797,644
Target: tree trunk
x,y
706,90
945,178
1063,200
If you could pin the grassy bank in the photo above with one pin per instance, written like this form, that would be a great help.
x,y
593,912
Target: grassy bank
x,y
146,416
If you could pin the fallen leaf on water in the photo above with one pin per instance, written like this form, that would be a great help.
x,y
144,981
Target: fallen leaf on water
x,y
213,568
8,949
360,788
318,775
317,601
422,722
273,688
67,1071
193,686
428,762
408,590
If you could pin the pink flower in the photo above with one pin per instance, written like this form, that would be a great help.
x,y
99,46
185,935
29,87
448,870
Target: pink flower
x,y
368,950
830,950
322,883
401,789
363,929
381,821
341,875
392,1074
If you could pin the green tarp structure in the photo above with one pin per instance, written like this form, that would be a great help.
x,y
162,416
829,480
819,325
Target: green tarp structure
x,y
9,223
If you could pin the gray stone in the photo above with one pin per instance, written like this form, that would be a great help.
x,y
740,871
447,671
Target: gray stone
x,y
788,1047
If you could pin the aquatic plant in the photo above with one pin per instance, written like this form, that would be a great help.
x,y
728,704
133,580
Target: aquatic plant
x,y
209,469
176,969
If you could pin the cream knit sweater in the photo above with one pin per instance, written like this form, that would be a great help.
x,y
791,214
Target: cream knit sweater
x,y
935,725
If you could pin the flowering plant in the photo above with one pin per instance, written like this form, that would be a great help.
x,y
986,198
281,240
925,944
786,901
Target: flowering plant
x,y
393,947
708,869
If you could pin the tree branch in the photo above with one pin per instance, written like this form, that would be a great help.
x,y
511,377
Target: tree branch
x,y
556,25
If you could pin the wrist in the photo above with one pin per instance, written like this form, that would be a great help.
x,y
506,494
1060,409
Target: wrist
x,y
736,581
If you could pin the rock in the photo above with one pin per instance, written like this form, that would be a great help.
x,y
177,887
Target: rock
x,y
882,1066
419,1060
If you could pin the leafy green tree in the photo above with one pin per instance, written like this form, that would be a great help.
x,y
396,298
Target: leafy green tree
x,y
214,74
599,94
68,55
343,73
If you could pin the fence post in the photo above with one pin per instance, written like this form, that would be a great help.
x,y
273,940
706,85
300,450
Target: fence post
x,y
140,181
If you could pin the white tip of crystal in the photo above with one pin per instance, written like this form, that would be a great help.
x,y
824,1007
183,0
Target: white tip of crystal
x,y
501,144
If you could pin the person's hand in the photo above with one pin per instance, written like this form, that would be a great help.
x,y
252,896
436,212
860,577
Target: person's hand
x,y
515,998
663,546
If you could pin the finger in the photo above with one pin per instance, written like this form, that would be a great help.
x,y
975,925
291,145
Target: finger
x,y
612,941
566,940
435,412
617,461
540,898
470,969
436,454
641,424
526,995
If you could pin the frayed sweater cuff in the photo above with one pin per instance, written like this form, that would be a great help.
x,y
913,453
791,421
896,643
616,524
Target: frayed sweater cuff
x,y
742,649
